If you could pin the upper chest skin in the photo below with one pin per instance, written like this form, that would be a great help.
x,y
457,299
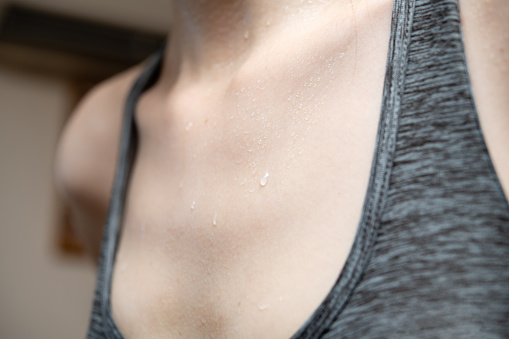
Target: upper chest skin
x,y
210,250
201,280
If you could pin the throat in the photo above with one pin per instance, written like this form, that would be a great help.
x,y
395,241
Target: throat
x,y
219,36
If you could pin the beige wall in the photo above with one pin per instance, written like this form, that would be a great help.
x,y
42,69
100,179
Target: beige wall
x,y
42,294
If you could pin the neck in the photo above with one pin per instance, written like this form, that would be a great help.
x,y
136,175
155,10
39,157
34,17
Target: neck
x,y
216,36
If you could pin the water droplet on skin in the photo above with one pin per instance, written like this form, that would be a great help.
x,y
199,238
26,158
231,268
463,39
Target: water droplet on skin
x,y
189,125
214,219
264,179
246,34
123,267
263,307
143,231
192,205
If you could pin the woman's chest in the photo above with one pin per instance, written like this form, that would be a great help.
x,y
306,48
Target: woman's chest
x,y
245,228
241,211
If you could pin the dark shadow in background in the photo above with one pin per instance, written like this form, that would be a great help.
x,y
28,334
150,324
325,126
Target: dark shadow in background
x,y
92,50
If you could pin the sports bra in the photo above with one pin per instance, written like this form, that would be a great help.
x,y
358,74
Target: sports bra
x,y
430,257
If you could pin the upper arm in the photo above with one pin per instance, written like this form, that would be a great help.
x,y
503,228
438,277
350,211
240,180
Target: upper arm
x,y
486,33
87,154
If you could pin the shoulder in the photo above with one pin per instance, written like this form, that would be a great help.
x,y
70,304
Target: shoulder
x,y
485,27
87,153
486,34
486,10
87,148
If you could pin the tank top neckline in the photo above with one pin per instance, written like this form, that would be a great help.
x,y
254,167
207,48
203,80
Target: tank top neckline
x,y
374,201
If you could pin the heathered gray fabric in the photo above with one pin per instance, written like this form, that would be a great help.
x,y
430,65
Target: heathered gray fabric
x,y
431,255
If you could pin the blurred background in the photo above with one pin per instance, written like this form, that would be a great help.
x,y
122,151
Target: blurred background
x,y
51,53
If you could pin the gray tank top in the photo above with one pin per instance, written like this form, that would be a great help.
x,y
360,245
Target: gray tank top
x,y
431,255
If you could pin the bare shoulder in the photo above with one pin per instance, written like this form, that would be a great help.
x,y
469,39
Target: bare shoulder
x,y
486,33
87,153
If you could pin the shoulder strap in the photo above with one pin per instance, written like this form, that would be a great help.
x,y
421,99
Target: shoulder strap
x,y
101,323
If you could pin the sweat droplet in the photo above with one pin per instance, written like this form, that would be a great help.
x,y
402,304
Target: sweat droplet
x,y
189,125
192,205
264,179
263,307
214,220
123,267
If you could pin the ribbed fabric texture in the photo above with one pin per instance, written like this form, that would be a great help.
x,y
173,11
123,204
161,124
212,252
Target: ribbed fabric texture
x,y
431,254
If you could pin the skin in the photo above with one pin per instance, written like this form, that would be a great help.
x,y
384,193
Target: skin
x,y
206,251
